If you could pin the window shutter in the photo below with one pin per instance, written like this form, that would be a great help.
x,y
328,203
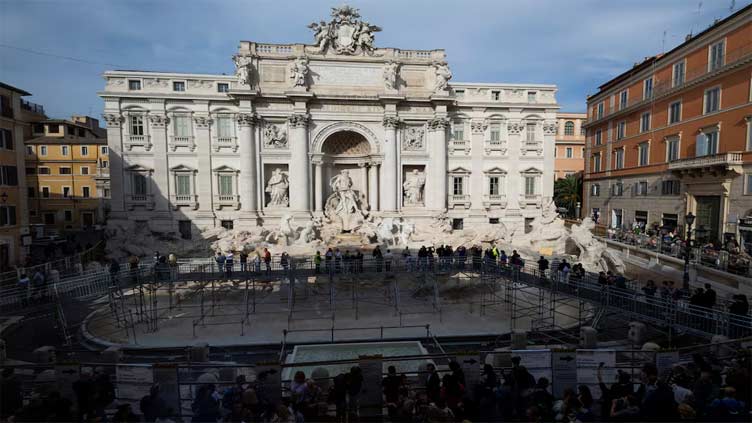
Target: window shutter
x,y
701,145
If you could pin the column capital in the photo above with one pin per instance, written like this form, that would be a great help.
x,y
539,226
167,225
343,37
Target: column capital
x,y
158,121
298,120
478,127
317,159
246,119
438,124
374,163
392,122
203,122
113,120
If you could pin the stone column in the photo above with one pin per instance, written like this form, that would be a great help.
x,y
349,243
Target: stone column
x,y
318,192
158,133
389,167
117,176
299,168
205,172
478,185
363,166
373,186
248,185
436,182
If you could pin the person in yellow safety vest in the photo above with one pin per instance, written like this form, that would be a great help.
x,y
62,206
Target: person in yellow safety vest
x,y
495,252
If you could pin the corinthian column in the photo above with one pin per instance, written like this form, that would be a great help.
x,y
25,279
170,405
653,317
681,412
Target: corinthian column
x,y
318,192
247,183
299,180
117,163
373,186
436,182
158,135
389,167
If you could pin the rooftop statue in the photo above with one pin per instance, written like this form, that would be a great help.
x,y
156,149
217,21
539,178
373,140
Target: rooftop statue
x,y
345,33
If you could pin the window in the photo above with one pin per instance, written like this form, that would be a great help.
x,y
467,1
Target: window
x,y
225,185
84,170
7,215
621,130
134,84
39,128
670,220
678,74
717,53
619,158
647,88
64,170
495,132
53,128
583,131
595,190
645,122
599,114
493,220
68,215
617,189
223,87
178,86
224,127
530,132
597,162
66,192
748,184
641,217
104,164
31,171
569,128
531,96
137,125
64,150
457,188
44,170
530,185
706,143
84,150
182,185
31,192
495,95
712,100
458,224
29,149
598,137
493,185
458,131
623,96
42,150
49,218
81,132
45,192
6,139
641,188
643,152
71,130
85,192
674,112
459,93
227,224
104,150
672,149
139,184
569,152
9,176
670,187
106,193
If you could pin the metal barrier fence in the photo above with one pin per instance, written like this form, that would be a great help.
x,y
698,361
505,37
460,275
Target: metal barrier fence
x,y
66,266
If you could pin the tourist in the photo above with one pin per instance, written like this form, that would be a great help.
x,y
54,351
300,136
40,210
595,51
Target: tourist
x,y
268,261
422,258
229,264
359,259
284,261
243,261
38,286
486,392
710,296
298,387
564,269
205,406
429,256
257,262
516,264
337,260
657,398
392,386
124,414
328,260
354,386
503,258
153,406
220,258
433,383
461,256
24,289
378,258
542,399
407,258
649,290
347,260
542,267
388,257
11,394
317,262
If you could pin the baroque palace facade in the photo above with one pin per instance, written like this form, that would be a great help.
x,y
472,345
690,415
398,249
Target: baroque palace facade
x,y
326,130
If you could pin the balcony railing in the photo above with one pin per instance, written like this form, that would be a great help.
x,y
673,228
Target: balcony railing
x,y
495,147
6,112
32,107
494,200
181,141
459,200
661,88
225,142
527,200
459,146
190,200
715,160
140,200
222,200
138,141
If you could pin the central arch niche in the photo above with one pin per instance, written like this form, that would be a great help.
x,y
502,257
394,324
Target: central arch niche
x,y
346,144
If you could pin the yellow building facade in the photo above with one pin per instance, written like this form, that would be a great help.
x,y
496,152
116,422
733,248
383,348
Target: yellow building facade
x,y
67,174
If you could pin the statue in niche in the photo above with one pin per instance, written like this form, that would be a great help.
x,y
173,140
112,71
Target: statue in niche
x,y
274,137
242,69
343,205
413,188
299,71
390,75
443,75
277,188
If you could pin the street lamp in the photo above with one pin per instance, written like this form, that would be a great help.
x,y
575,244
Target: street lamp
x,y
689,219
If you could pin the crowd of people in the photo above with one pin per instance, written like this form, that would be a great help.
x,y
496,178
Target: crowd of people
x,y
704,389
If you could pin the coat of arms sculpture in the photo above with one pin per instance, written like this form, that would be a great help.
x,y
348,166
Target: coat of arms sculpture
x,y
345,33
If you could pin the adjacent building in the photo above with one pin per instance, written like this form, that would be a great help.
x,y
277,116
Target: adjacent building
x,y
300,126
67,174
570,144
672,136
16,116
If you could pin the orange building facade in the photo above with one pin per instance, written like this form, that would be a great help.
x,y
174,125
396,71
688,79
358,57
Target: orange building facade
x,y
673,135
570,144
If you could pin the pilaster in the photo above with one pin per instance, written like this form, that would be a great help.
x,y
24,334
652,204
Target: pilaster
x,y
299,163
114,121
390,166
248,184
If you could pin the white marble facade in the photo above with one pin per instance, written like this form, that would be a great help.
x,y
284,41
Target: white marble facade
x,y
272,138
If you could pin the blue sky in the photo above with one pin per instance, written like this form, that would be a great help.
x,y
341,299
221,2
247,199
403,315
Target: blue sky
x,y
576,44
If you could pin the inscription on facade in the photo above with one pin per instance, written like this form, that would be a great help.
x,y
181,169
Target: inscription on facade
x,y
273,73
347,75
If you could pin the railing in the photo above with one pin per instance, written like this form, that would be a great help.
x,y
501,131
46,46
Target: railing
x,y
229,197
225,140
32,107
184,198
140,197
182,140
414,54
137,139
666,87
731,158
274,49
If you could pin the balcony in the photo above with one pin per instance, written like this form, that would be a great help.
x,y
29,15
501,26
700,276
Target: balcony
x,y
459,200
531,148
6,111
139,200
716,164
183,141
138,141
103,172
32,107
530,200
224,142
459,147
221,201
188,200
495,148
494,200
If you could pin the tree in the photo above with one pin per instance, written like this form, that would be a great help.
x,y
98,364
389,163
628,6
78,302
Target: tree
x,y
568,192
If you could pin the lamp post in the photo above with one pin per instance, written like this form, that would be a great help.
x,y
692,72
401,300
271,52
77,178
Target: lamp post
x,y
689,219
